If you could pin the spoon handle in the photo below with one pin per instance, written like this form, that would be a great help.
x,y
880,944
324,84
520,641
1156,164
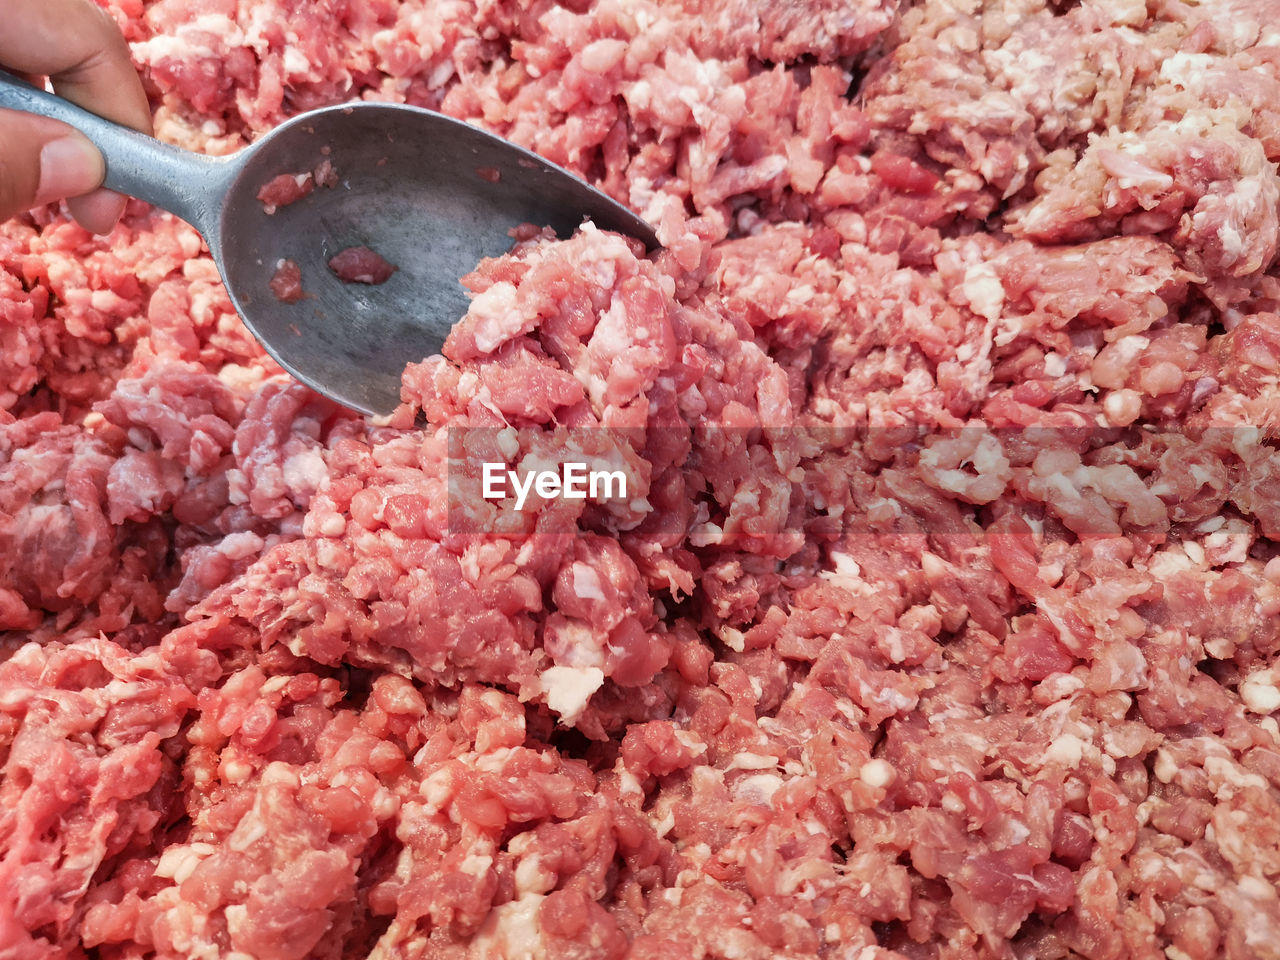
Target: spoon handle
x,y
184,183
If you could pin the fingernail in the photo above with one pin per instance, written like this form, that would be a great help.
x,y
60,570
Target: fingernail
x,y
69,167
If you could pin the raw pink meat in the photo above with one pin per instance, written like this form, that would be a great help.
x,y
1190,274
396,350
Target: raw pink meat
x,y
361,265
326,175
942,620
286,282
285,189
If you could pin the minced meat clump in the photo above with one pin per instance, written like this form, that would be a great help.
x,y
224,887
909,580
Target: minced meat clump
x,y
942,622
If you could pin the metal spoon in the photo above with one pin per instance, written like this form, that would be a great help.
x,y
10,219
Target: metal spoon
x,y
431,194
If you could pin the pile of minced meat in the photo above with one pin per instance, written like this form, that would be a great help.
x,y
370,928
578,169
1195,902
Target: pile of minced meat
x,y
945,623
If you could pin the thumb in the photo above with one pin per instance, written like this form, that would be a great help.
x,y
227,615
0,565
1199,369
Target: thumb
x,y
42,161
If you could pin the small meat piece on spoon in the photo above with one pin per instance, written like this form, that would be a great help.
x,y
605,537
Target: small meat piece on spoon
x,y
283,190
286,282
361,265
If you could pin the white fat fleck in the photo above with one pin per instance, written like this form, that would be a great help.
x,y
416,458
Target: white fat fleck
x,y
180,860
1230,776
628,784
846,566
477,865
1066,750
219,24
1129,348
691,742
846,574
440,74
1244,440
1260,692
1187,70
494,760
1256,888
495,316
733,638
295,61
877,773
982,290
237,917
305,471
1059,686
240,379
1273,729
894,642
248,831
436,789
752,761
847,709
758,788
508,442
1054,365
1018,832
511,932
666,824
737,944
531,878
275,684
586,582
1232,242
1230,546
569,688
1168,562
893,700
164,47
576,645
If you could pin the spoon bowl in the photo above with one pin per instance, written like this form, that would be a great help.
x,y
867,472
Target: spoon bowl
x,y
430,194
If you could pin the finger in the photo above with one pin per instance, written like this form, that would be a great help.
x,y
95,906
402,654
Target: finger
x,y
98,211
42,160
78,46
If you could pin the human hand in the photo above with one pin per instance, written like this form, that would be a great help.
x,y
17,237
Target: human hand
x,y
77,45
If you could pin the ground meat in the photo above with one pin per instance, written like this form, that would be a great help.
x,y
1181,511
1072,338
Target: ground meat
x,y
286,282
941,620
361,265
285,189
326,174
